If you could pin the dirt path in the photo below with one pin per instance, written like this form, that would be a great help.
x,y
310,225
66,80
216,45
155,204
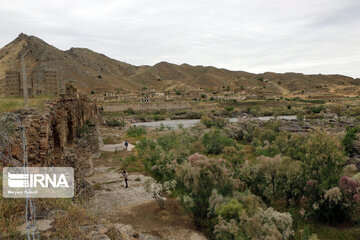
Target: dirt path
x,y
111,197
136,207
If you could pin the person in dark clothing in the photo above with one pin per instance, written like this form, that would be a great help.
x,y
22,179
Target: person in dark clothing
x,y
126,144
125,174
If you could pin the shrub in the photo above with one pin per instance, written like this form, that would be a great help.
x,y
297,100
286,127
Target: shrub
x,y
157,117
317,109
349,138
83,130
269,166
193,115
168,141
130,111
323,160
207,122
265,224
322,165
233,156
229,108
198,177
159,190
231,210
241,130
300,116
115,123
290,181
135,131
214,141
218,122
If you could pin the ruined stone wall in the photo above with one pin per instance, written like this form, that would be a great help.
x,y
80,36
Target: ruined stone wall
x,y
45,82
12,84
176,105
52,138
38,83
53,130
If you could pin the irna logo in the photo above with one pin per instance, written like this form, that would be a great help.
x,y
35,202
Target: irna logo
x,y
38,182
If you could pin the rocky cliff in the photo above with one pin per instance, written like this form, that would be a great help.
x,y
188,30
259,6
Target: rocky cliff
x,y
62,134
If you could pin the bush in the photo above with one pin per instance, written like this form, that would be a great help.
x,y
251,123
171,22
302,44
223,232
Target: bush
x,y
349,138
115,123
214,142
198,177
157,117
135,131
193,115
83,130
317,109
130,111
207,122
229,108
218,122
241,130
238,221
323,163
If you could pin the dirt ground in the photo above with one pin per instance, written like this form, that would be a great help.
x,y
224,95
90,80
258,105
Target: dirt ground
x,y
134,205
171,222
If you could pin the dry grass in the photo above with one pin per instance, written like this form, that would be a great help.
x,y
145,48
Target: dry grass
x,y
68,225
14,104
112,140
11,211
65,227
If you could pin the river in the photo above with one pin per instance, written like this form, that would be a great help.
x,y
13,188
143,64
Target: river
x,y
187,123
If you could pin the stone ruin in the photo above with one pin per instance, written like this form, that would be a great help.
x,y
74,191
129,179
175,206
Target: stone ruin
x,y
38,83
71,90
52,138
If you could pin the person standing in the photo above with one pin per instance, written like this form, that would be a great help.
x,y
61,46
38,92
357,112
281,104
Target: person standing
x,y
125,175
126,145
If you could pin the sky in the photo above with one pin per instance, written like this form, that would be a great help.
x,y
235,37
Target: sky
x,y
308,36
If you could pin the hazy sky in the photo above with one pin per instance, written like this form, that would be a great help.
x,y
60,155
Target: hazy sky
x,y
310,36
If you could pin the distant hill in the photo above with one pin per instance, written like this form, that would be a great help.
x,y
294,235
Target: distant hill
x,y
95,71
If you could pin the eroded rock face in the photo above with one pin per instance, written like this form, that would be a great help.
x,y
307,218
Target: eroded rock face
x,y
51,131
53,138
81,167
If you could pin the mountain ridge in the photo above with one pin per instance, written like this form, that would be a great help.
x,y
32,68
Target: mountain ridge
x,y
97,72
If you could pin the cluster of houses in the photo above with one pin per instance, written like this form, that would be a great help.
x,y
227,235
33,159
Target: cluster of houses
x,y
158,96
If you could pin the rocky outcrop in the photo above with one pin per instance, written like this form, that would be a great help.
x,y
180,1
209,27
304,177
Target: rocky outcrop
x,y
62,134
50,131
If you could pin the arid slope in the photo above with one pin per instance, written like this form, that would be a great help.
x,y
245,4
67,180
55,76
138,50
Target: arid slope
x,y
94,71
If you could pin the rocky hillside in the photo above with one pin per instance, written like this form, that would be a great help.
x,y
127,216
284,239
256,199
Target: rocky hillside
x,y
94,71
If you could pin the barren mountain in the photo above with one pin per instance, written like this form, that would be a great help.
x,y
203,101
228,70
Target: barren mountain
x,y
94,71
